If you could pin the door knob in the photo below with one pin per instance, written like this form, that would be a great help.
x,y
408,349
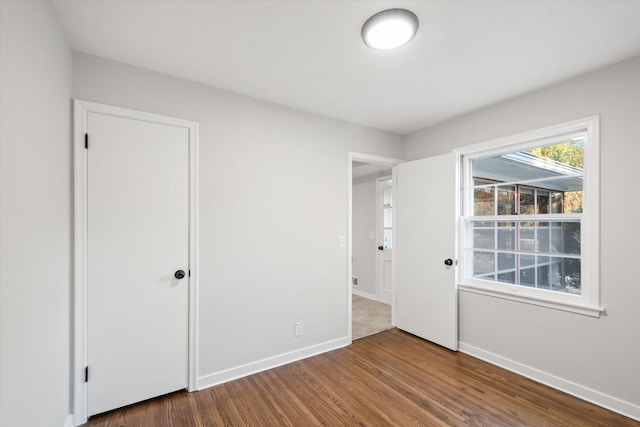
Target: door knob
x,y
448,261
179,274
381,248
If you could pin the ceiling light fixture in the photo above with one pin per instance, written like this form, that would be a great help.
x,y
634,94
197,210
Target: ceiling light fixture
x,y
389,29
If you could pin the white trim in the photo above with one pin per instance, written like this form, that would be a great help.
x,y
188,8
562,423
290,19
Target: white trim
x,y
366,295
194,253
529,299
270,363
360,157
68,422
588,303
81,109
620,406
524,139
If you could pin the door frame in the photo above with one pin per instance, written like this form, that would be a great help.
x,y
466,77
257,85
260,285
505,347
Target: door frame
x,y
80,175
368,158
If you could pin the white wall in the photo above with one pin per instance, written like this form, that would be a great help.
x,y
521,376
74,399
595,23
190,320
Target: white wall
x,y
273,201
364,248
35,184
600,354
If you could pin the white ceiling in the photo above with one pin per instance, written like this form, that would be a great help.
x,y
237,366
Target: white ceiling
x,y
363,169
309,55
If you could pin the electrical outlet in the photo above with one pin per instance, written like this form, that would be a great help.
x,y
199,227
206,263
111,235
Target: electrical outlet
x,y
299,329
354,280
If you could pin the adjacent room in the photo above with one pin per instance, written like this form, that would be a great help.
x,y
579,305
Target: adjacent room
x,y
292,212
372,248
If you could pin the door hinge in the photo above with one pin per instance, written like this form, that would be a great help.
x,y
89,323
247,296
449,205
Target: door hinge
x,y
86,140
189,273
86,374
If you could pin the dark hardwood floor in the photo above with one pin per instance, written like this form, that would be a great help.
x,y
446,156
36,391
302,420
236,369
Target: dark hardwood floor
x,y
388,379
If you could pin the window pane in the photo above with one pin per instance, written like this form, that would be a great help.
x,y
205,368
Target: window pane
x,y
387,217
556,202
542,202
543,237
527,202
555,275
571,237
387,240
527,239
484,203
542,273
570,278
557,237
543,277
484,237
528,277
506,200
506,261
567,156
387,196
508,277
565,237
527,260
483,263
573,201
507,237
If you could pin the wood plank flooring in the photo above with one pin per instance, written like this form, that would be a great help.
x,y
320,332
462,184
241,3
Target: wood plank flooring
x,y
387,379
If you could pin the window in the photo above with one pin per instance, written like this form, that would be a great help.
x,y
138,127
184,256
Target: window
x,y
387,211
529,217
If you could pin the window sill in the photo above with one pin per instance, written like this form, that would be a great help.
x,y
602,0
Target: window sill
x,y
586,310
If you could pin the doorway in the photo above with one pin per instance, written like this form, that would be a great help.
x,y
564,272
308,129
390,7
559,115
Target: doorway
x,y
370,245
424,292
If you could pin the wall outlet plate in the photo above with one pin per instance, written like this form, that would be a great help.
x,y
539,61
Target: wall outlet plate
x,y
299,328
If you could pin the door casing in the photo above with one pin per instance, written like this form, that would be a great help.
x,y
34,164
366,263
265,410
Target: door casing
x,y
81,110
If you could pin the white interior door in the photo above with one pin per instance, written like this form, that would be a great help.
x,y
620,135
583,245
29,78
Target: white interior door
x,y
138,219
385,240
426,295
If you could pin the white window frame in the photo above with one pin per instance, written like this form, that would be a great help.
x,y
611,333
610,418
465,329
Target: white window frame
x,y
588,302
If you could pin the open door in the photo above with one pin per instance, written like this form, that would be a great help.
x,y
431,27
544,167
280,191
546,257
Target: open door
x,y
426,294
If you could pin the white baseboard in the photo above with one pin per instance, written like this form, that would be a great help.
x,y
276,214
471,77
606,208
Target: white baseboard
x,y
585,393
364,294
69,421
269,363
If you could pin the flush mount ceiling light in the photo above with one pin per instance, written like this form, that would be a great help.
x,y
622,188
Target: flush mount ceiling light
x,y
390,29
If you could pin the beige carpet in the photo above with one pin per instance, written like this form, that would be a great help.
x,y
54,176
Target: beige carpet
x,y
369,317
